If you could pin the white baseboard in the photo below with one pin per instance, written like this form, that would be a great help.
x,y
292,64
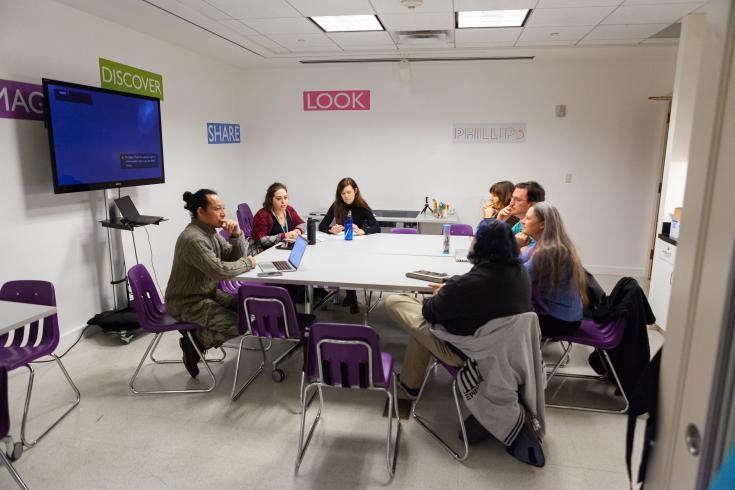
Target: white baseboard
x,y
615,270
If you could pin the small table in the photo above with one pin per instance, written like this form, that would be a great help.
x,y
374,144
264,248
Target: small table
x,y
427,223
14,315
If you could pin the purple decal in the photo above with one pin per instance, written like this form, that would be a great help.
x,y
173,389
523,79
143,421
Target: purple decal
x,y
21,100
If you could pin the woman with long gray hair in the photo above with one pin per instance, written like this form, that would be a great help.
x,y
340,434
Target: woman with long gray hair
x,y
557,275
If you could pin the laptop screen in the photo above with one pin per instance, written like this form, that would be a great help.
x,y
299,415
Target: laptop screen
x,y
299,247
127,208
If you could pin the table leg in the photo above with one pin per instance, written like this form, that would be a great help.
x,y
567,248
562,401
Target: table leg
x,y
309,299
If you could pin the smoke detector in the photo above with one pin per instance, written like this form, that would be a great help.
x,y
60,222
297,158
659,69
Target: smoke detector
x,y
411,4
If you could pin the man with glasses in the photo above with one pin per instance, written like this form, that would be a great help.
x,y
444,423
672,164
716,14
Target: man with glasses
x,y
525,195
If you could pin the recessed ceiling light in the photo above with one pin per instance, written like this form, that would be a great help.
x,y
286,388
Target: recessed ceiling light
x,y
347,23
492,18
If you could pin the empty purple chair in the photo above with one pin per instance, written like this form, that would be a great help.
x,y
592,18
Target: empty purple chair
x,y
41,341
5,431
453,372
459,229
601,337
152,316
348,356
267,312
404,231
245,219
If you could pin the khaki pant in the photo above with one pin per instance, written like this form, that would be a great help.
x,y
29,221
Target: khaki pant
x,y
406,310
217,321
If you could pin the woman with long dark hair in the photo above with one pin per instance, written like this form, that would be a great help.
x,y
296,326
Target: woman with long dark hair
x,y
557,274
348,199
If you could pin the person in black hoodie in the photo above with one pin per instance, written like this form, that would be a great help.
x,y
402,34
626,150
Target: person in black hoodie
x,y
348,199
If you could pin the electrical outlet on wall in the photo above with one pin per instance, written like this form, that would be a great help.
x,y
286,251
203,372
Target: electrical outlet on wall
x,y
567,178
561,111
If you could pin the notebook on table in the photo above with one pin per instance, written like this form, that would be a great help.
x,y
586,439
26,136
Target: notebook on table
x,y
428,276
294,258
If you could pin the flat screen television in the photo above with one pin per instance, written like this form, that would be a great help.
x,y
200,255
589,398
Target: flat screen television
x,y
101,138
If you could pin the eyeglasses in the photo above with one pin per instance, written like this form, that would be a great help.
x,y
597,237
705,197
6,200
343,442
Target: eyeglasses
x,y
515,199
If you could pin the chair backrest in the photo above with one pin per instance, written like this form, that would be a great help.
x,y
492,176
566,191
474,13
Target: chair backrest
x,y
266,311
4,410
344,355
148,305
245,218
404,231
230,286
460,229
36,293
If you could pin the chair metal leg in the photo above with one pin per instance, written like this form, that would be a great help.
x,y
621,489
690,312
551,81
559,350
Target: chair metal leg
x,y
424,423
303,446
18,480
606,362
286,355
392,409
154,342
179,361
235,391
31,377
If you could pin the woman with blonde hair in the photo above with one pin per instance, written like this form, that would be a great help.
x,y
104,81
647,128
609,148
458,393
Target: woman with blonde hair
x,y
557,275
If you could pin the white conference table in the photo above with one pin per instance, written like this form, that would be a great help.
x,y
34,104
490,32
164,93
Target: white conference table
x,y
14,315
377,262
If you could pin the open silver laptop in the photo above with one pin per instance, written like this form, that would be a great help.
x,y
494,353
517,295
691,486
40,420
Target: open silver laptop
x,y
294,258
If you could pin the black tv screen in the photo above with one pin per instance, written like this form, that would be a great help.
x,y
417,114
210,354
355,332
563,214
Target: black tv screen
x,y
102,139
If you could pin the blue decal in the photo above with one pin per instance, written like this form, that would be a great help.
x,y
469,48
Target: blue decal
x,y
219,133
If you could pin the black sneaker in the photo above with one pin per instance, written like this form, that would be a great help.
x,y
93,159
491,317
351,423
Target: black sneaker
x,y
527,447
476,432
191,358
411,393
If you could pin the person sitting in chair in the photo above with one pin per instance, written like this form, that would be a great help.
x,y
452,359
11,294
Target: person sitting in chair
x,y
202,258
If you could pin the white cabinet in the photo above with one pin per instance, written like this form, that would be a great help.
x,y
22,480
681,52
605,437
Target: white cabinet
x,y
662,275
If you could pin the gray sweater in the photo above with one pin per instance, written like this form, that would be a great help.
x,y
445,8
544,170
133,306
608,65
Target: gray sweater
x,y
201,259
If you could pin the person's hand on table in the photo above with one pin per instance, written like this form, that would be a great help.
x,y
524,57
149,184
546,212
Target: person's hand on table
x,y
291,235
336,229
435,288
356,230
231,227
252,260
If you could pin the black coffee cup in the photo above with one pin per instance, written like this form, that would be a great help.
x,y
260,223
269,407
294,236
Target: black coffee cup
x,y
311,231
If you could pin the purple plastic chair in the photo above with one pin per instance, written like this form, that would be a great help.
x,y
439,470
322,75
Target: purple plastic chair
x,y
152,317
348,356
601,337
404,231
5,459
459,229
41,342
267,312
245,219
453,372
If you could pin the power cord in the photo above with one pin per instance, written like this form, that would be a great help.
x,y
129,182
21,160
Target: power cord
x,y
81,336
155,275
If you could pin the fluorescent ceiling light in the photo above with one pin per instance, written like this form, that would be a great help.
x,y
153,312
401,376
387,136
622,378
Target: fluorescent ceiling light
x,y
347,23
492,18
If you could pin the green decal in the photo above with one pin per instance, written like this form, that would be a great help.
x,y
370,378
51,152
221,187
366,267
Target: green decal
x,y
124,78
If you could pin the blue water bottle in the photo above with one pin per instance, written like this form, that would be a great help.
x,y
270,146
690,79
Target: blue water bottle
x,y
348,226
445,234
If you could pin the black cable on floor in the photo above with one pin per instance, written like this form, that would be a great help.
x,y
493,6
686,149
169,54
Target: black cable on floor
x,y
81,335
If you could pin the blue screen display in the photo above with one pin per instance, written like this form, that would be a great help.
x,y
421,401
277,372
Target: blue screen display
x,y
101,138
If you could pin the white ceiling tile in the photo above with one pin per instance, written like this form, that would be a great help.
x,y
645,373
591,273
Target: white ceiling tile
x,y
546,43
499,44
634,31
608,42
363,40
395,7
255,9
311,8
486,35
470,5
268,43
650,14
204,8
555,4
283,26
306,42
578,16
651,2
554,33
417,21
238,27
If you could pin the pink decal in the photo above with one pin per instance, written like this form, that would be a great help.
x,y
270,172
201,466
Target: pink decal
x,y
337,100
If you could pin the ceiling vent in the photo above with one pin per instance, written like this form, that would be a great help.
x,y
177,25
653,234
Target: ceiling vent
x,y
423,38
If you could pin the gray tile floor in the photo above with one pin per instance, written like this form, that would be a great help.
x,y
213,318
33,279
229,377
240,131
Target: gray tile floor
x,y
117,440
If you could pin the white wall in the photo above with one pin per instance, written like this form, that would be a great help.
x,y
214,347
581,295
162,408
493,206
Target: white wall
x,y
402,150
57,237
399,151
